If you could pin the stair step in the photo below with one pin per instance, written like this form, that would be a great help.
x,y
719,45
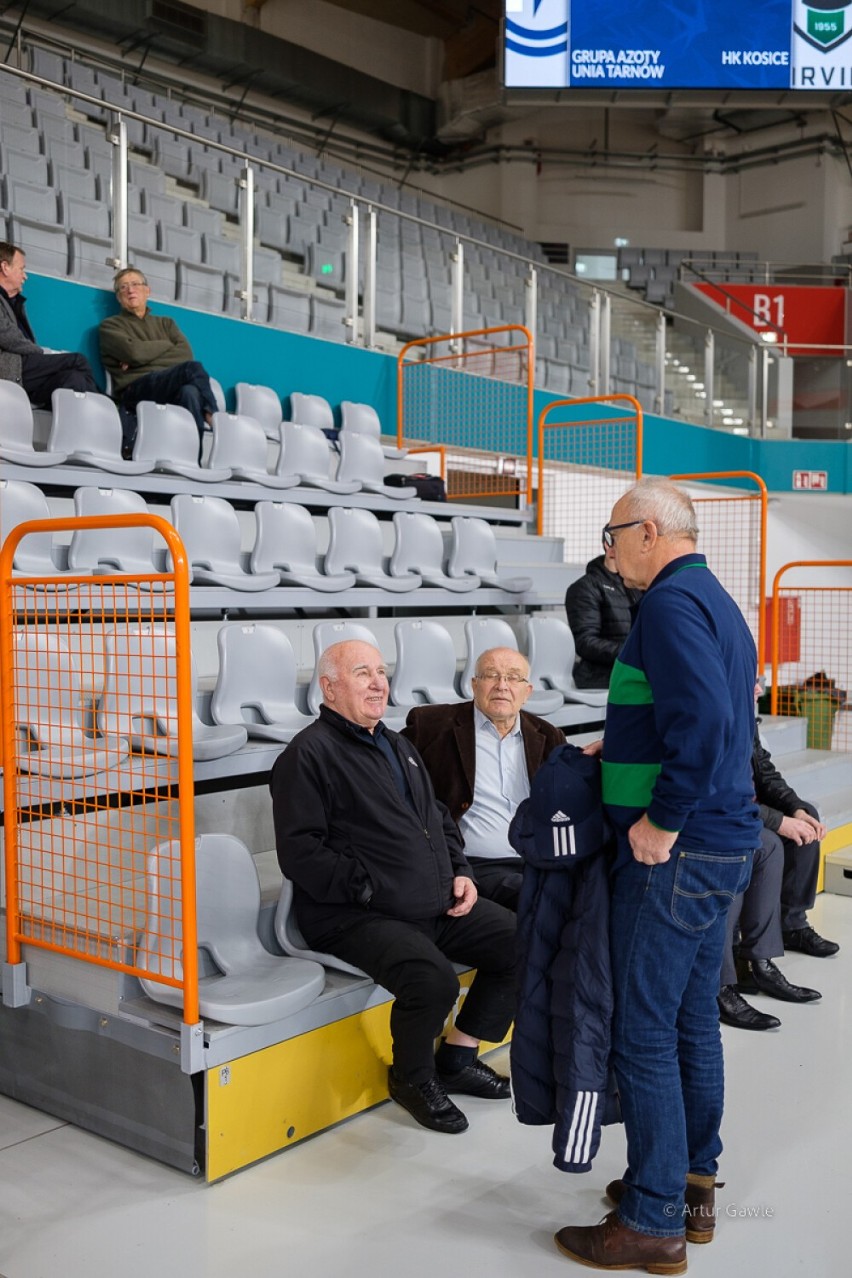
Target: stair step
x,y
784,734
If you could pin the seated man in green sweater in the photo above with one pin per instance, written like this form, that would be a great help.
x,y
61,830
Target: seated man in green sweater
x,y
149,358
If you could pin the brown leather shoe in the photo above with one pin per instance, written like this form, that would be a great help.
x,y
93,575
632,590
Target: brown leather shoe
x,y
700,1204
614,1245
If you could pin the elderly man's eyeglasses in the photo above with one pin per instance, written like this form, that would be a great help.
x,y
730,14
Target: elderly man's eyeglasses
x,y
494,676
607,537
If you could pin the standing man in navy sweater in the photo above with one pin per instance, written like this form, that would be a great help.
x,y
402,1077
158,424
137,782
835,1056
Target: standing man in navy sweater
x,y
678,788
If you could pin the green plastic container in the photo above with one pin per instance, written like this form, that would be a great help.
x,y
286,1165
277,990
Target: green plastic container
x,y
819,710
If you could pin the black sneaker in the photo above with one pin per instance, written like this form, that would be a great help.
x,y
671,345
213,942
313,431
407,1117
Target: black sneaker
x,y
428,1103
806,941
477,1079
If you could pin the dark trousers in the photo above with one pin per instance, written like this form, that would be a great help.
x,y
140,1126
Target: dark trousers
x,y
801,871
498,878
414,962
186,384
41,375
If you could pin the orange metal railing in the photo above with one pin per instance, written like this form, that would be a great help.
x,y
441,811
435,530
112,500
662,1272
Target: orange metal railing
x,y
809,648
732,535
585,463
84,807
472,394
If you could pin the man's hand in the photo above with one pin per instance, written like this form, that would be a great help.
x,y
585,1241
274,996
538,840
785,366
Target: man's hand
x,y
465,894
801,828
594,747
650,845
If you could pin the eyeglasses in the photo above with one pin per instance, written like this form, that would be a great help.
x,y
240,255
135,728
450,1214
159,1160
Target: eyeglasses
x,y
607,537
131,286
494,676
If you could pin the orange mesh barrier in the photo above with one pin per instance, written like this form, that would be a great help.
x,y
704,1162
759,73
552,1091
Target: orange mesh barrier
x,y
809,648
732,535
472,393
95,677
586,461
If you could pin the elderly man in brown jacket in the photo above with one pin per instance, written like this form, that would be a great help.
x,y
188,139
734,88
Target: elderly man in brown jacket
x,y
482,756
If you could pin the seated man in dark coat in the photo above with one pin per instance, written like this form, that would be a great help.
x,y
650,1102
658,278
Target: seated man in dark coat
x,y
482,756
22,360
380,880
598,610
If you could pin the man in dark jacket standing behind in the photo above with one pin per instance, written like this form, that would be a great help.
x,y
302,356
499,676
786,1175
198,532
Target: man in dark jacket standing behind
x,y
380,880
598,609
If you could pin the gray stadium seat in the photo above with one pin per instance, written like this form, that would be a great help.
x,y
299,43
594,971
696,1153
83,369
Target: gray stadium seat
x,y
200,286
167,437
210,531
311,410
16,429
425,672
289,936
327,316
239,442
128,550
550,645
139,699
483,633
263,404
419,549
36,555
355,545
362,459
289,309
305,452
287,544
256,684
46,246
87,427
364,420
241,983
474,551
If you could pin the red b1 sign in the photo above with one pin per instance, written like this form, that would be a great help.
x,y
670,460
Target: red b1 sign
x,y
815,481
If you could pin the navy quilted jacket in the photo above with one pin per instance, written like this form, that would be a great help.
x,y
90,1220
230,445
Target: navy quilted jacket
x,y
561,1040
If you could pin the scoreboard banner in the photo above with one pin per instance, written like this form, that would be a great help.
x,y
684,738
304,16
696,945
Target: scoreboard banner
x,y
679,44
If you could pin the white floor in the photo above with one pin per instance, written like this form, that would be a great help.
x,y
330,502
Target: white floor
x,y
379,1196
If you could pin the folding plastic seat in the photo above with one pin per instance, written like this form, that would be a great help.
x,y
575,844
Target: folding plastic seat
x,y
89,259
46,246
327,318
361,458
240,983
289,309
483,633
289,936
425,672
50,712
364,420
221,253
167,438
267,267
180,242
128,550
204,220
355,545
419,549
48,65
200,286
31,201
210,530
474,551
263,404
218,395
16,429
311,410
287,544
550,645
256,684
36,554
305,452
239,442
87,427
139,699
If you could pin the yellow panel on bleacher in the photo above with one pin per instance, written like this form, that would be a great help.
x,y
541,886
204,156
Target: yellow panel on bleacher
x,y
265,1102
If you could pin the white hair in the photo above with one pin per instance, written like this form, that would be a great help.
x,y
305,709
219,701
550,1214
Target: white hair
x,y
662,503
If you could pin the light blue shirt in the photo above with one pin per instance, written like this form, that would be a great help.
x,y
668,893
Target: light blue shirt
x,y
501,784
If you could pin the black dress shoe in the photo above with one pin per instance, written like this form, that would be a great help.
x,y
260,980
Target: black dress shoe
x,y
477,1079
746,983
806,941
771,981
734,1010
429,1103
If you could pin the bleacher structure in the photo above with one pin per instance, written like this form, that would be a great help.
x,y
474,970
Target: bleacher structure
x,y
160,618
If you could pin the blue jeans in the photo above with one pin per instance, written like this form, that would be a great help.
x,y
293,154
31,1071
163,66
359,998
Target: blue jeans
x,y
186,384
667,928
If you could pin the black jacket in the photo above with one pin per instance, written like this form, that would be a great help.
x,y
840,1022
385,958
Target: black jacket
x,y
598,608
349,841
561,1041
775,798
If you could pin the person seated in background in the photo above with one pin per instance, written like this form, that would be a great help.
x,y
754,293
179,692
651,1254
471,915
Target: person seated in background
x,y
380,880
482,756
598,608
772,912
148,358
22,360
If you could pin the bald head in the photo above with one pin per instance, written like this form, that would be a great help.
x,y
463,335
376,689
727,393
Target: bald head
x,y
501,686
354,681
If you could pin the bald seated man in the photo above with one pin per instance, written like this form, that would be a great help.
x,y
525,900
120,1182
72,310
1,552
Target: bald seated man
x,y
482,756
380,879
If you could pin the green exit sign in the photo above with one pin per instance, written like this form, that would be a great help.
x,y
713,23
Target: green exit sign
x,y
326,269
